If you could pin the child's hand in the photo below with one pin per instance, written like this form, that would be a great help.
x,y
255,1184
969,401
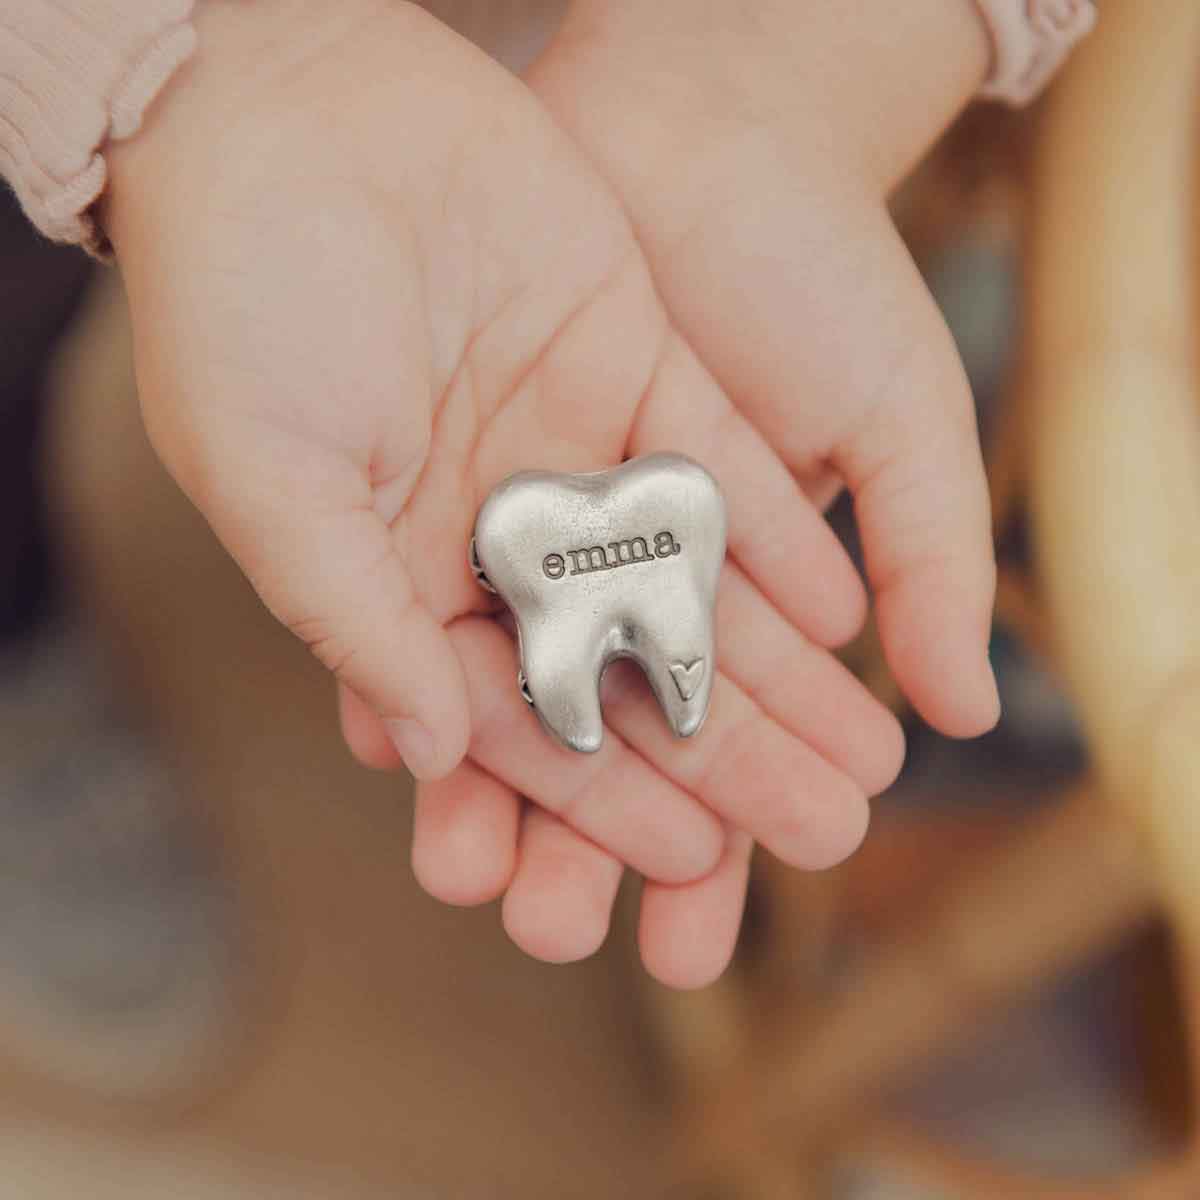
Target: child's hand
x,y
753,146
369,278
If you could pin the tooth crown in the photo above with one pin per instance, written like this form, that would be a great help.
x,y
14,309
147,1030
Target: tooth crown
x,y
615,564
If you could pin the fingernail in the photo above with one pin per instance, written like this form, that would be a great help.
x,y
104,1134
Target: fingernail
x,y
415,745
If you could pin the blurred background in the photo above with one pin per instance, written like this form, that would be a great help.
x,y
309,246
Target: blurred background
x,y
217,977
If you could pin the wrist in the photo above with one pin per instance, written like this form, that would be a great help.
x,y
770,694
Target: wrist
x,y
257,82
875,84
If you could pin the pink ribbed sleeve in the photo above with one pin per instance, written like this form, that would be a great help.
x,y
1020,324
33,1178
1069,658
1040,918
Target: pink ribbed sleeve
x,y
1030,40
74,73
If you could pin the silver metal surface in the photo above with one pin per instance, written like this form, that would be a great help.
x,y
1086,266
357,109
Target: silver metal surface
x,y
616,564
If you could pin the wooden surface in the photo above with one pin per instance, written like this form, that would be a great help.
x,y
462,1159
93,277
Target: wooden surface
x,y
1115,407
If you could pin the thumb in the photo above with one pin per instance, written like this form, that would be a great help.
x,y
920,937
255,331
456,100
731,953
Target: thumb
x,y
327,566
345,592
916,472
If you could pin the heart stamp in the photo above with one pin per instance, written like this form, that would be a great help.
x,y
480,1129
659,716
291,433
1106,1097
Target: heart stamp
x,y
613,564
687,676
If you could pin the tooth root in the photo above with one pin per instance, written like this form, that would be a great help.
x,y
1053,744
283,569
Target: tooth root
x,y
681,674
568,705
620,562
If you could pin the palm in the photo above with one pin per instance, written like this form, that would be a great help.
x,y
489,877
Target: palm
x,y
415,329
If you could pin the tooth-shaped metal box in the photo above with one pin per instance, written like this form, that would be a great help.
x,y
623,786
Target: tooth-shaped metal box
x,y
614,564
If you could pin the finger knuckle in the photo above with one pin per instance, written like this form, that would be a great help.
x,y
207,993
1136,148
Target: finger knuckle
x,y
329,648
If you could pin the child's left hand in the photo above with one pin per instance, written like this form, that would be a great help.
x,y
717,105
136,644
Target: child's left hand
x,y
753,147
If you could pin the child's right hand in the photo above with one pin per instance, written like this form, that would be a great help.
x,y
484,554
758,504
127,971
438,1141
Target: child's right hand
x,y
369,278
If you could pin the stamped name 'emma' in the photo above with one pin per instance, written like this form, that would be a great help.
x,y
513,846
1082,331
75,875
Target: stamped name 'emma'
x,y
607,558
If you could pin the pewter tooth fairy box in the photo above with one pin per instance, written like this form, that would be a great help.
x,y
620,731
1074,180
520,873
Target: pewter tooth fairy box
x,y
614,564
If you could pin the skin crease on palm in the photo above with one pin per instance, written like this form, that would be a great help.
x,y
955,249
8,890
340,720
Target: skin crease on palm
x,y
371,273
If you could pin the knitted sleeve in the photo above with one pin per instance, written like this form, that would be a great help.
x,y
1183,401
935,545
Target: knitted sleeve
x,y
1030,39
74,74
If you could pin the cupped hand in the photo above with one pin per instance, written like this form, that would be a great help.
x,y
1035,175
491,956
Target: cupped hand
x,y
753,147
369,278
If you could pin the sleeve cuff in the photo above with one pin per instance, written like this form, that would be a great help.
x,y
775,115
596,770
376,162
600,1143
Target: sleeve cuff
x,y
74,74
1030,41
